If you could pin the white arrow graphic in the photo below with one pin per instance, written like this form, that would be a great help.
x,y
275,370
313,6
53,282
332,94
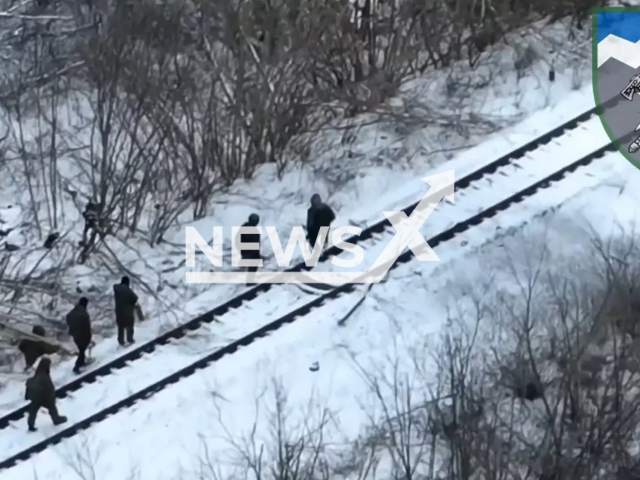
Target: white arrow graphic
x,y
408,228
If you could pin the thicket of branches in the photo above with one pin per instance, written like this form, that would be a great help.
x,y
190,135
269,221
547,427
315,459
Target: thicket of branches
x,y
152,107
539,382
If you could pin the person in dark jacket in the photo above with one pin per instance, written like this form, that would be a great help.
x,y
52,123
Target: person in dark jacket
x,y
90,215
79,324
126,301
34,349
247,254
319,215
42,394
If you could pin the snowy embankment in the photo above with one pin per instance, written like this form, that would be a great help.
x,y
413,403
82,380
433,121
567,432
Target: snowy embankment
x,y
360,178
282,299
185,430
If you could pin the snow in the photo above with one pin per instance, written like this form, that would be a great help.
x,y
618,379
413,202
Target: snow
x,y
241,321
540,164
170,358
379,170
493,147
533,167
162,437
165,360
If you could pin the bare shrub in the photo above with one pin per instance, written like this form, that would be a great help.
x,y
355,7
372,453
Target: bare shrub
x,y
152,109
581,417
288,450
206,92
538,380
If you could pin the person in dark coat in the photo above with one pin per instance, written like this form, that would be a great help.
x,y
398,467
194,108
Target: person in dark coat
x,y
34,349
79,324
90,215
319,215
126,301
247,254
42,394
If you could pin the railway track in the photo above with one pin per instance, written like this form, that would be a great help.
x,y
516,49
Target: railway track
x,y
179,332
247,296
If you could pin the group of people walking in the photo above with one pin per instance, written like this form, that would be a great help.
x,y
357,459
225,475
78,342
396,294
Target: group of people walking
x,y
319,215
40,390
79,322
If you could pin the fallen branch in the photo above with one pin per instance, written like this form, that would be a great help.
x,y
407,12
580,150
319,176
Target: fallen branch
x,y
344,319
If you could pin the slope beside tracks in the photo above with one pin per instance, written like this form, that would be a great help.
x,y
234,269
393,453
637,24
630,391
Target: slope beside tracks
x,y
254,292
559,169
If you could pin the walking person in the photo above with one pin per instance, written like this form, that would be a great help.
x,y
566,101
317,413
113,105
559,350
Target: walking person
x,y
319,215
42,394
126,305
79,324
90,215
248,254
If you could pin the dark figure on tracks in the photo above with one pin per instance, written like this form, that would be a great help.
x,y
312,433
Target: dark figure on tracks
x,y
126,304
42,394
79,324
247,254
33,349
319,215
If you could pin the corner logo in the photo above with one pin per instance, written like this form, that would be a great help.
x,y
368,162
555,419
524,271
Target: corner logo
x,y
407,236
616,76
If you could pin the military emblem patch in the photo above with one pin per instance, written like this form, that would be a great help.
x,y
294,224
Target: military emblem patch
x,y
616,76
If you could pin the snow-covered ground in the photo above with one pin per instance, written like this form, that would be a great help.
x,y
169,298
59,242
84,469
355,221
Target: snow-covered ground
x,y
171,434
597,194
377,169
280,300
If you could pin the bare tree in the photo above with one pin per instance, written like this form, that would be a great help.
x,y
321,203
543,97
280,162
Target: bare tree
x,y
275,448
